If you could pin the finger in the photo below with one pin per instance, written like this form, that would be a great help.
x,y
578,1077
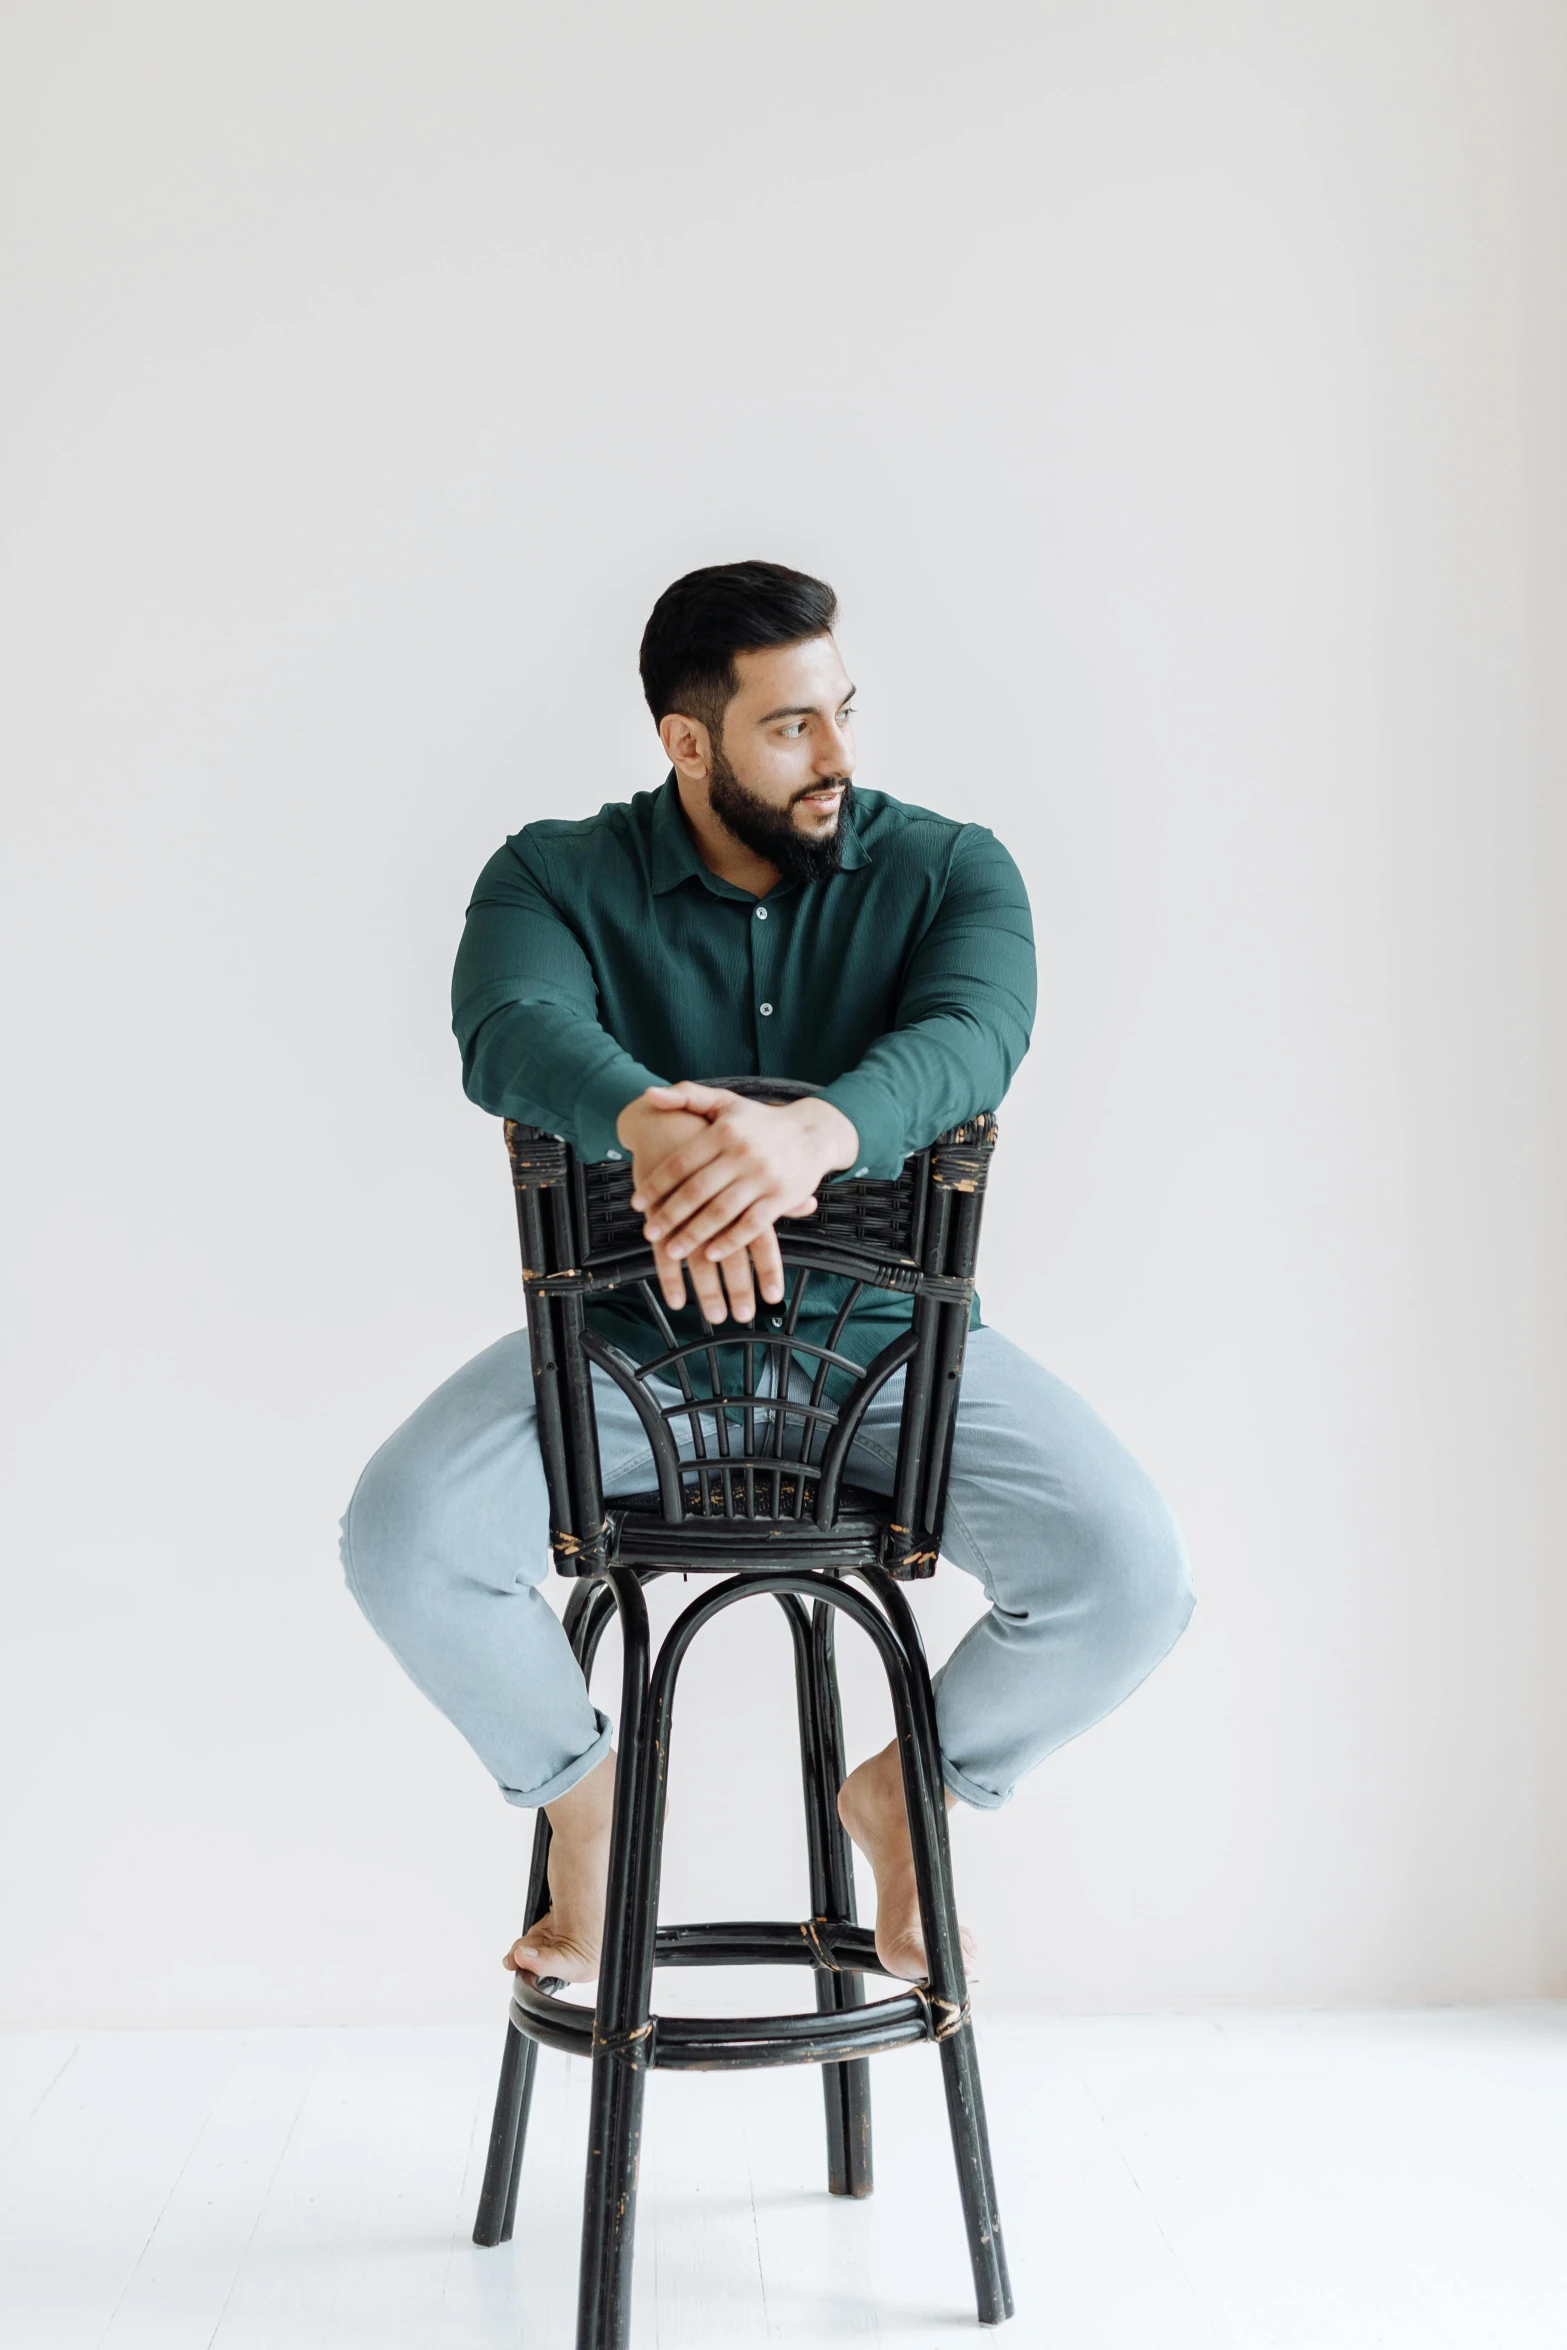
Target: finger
x,y
736,1271
760,1249
709,1288
746,1227
666,1171
712,1220
671,1278
706,1100
669,1219
768,1262
705,1206
807,1207
675,1167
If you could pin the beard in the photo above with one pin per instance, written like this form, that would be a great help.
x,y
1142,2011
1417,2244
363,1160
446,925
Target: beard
x,y
768,831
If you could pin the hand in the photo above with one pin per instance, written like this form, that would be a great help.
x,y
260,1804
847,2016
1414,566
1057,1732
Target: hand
x,y
713,1199
650,1128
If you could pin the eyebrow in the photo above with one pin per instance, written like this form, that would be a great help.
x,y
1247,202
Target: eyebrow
x,y
803,709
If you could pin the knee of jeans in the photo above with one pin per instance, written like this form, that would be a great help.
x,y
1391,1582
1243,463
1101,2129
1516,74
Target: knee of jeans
x,y
1111,1571
392,1544
366,1556
424,1527
1142,1583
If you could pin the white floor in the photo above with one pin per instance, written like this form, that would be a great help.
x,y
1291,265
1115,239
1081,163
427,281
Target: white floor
x,y
1377,2179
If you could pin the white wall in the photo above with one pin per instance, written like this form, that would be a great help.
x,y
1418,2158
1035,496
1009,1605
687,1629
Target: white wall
x,y
1171,392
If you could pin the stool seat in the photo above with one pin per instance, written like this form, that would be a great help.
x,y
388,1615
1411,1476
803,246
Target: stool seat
x,y
640,1535
682,2043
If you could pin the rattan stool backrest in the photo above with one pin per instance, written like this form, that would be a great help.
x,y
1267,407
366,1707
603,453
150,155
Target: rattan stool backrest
x,y
771,1412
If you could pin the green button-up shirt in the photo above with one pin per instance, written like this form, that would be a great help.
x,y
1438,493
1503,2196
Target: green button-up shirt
x,y
601,956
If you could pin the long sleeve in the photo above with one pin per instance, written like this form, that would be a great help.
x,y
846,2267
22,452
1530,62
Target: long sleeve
x,y
525,1012
964,1014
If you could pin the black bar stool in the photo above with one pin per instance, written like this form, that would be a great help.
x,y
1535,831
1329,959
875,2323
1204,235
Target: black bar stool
x,y
762,1502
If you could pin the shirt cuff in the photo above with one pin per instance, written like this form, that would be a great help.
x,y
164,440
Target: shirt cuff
x,y
599,1104
877,1121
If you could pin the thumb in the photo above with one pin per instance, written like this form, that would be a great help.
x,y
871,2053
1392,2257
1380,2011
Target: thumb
x,y
705,1100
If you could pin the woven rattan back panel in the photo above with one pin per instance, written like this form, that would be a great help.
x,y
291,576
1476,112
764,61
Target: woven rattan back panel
x,y
769,1411
883,1218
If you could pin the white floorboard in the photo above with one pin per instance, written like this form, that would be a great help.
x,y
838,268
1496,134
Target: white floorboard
x,y
1308,2182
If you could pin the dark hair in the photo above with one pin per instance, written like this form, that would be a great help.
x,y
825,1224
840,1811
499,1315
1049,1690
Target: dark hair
x,y
698,625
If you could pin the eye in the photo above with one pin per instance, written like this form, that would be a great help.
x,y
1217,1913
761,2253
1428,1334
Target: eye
x,y
796,726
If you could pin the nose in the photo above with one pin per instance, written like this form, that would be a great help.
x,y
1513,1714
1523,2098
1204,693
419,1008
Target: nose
x,y
836,754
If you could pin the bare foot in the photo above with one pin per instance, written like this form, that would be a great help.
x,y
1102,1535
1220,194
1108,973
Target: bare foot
x,y
564,1945
870,1805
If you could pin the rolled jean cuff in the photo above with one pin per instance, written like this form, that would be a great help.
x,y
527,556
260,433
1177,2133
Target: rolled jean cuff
x,y
552,1789
970,1791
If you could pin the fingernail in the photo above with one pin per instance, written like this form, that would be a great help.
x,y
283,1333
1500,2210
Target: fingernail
x,y
655,1232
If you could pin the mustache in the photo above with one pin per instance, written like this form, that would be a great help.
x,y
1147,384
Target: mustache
x,y
809,791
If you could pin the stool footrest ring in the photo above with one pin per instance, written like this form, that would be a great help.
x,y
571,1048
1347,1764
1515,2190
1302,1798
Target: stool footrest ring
x,y
713,2043
819,1942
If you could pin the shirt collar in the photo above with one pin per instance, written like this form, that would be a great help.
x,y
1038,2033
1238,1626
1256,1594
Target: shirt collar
x,y
675,856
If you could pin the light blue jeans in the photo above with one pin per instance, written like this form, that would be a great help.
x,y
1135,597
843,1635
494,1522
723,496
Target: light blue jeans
x,y
446,1542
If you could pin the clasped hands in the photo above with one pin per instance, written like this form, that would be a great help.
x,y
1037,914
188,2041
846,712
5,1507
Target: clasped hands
x,y
712,1172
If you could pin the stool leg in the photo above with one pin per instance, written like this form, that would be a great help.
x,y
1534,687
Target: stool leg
x,y
621,2023
976,2179
846,2087
497,2212
586,1614
915,1707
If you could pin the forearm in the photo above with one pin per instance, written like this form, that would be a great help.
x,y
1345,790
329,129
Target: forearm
x,y
917,1081
553,1066
525,1011
964,1016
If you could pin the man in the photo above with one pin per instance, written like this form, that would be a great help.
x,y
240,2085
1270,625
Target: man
x,y
758,914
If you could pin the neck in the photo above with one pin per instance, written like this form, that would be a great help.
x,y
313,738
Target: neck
x,y
717,847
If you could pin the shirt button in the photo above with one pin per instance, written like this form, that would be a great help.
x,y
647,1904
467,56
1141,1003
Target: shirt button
x,y
776,1321
761,913
766,1011
612,1154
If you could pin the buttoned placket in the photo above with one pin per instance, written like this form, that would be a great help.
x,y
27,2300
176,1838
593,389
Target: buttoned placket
x,y
765,939
765,1012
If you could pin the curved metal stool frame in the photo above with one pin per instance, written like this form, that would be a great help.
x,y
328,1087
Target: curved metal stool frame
x,y
734,1519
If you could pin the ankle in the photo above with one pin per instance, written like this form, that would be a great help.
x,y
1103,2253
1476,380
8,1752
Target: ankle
x,y
586,1810
881,1776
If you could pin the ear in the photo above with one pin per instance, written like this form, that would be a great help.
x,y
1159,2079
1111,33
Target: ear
x,y
686,745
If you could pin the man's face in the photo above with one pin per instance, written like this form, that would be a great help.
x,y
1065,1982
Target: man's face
x,y
778,779
788,733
